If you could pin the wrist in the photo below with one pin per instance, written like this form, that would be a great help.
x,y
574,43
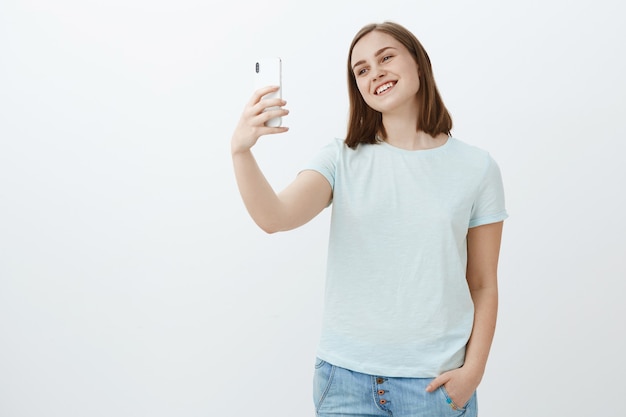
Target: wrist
x,y
239,150
476,370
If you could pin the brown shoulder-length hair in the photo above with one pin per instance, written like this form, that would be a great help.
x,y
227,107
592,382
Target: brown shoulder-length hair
x,y
366,123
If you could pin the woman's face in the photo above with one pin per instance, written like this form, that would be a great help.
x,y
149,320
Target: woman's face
x,y
386,73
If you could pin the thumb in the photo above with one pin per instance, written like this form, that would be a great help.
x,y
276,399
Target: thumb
x,y
437,382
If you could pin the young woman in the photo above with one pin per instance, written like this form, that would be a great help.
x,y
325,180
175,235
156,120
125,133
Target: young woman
x,y
411,287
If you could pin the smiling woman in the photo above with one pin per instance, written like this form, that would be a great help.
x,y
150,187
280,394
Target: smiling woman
x,y
415,230
398,57
129,269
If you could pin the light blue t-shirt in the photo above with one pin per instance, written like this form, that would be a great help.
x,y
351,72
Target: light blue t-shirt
x,y
397,301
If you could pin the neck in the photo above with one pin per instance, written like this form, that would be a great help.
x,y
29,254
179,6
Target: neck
x,y
402,133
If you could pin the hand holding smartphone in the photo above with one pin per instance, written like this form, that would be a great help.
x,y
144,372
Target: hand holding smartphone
x,y
268,71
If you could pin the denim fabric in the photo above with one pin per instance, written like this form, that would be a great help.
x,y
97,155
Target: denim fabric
x,y
340,392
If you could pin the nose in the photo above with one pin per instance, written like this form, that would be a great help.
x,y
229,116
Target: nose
x,y
377,72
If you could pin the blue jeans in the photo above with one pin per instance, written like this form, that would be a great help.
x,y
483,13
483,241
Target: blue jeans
x,y
339,392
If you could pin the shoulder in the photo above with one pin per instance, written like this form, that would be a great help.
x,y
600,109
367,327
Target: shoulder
x,y
329,149
468,150
338,148
325,160
471,155
334,145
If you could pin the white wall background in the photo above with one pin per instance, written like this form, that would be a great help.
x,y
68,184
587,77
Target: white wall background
x,y
132,281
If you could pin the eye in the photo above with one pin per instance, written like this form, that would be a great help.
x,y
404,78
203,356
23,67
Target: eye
x,y
387,58
361,71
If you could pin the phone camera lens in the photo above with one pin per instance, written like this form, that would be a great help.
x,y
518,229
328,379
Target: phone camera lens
x,y
257,67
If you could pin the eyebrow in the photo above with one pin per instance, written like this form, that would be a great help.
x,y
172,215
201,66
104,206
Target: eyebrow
x,y
380,51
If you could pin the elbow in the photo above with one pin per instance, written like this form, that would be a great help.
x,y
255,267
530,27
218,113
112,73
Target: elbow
x,y
274,227
274,223
269,230
269,227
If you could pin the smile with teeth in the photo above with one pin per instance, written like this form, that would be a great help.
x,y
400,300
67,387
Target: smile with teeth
x,y
384,88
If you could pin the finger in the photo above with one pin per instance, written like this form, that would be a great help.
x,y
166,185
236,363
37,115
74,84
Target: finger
x,y
437,382
274,130
261,119
268,104
265,130
253,112
272,113
256,97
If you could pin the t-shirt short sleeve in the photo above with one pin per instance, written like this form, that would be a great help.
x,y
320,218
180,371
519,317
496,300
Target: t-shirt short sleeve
x,y
489,206
325,161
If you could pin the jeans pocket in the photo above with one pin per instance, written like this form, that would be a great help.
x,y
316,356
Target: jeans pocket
x,y
322,381
450,401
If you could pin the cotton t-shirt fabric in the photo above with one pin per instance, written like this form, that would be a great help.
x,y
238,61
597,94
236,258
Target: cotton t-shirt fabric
x,y
397,302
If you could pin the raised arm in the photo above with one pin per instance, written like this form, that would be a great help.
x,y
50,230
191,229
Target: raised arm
x,y
300,201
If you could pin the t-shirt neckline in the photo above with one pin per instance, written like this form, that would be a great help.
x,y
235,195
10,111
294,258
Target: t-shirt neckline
x,y
429,151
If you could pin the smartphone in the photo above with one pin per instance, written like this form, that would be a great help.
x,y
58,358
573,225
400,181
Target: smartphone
x,y
268,71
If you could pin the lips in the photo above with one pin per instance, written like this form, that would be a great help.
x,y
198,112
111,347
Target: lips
x,y
384,87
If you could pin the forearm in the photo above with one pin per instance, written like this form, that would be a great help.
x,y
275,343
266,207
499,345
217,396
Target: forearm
x,y
485,313
258,196
483,248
